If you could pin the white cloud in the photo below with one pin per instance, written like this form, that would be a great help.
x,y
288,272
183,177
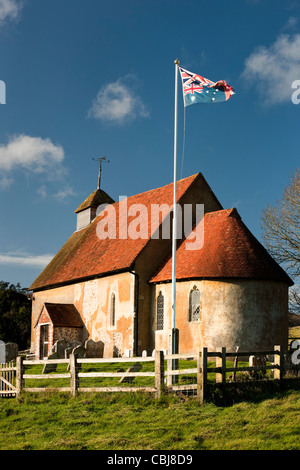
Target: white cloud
x,y
5,182
291,23
42,191
118,102
272,70
30,154
63,194
25,260
9,10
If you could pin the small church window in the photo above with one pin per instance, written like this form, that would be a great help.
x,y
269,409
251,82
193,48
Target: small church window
x,y
160,312
194,304
113,310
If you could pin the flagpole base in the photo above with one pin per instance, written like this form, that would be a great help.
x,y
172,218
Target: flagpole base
x,y
174,349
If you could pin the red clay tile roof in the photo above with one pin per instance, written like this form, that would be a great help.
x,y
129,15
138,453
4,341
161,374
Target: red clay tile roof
x,y
84,255
63,315
229,251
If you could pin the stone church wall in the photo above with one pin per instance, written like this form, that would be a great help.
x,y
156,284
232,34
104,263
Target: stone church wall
x,y
93,302
246,313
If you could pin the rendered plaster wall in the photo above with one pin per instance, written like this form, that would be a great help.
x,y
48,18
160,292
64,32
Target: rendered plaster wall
x,y
93,301
246,313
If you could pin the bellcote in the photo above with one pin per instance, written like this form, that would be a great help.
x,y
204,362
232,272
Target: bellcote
x,y
86,212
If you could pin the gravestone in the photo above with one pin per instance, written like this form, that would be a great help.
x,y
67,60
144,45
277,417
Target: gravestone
x,y
59,348
50,367
2,352
135,368
80,352
257,361
68,351
12,350
93,348
75,343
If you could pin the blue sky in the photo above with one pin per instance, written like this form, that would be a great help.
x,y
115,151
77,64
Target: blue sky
x,y
86,79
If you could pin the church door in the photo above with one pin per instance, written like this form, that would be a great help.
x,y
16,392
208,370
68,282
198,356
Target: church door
x,y
44,341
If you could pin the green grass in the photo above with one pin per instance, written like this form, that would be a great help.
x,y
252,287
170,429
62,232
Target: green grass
x,y
247,416
136,421
294,332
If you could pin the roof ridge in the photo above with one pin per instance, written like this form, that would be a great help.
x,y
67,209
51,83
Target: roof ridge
x,y
230,212
162,187
230,250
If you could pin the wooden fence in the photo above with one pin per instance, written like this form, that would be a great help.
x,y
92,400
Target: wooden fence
x,y
164,378
7,380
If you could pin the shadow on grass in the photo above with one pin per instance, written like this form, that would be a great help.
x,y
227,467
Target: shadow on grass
x,y
253,392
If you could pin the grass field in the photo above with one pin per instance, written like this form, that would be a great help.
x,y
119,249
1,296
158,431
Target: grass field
x,y
264,420
294,332
256,416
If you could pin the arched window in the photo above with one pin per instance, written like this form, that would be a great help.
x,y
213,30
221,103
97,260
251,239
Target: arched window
x,y
194,304
160,312
113,310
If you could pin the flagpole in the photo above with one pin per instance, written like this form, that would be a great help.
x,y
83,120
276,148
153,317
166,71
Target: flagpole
x,y
174,233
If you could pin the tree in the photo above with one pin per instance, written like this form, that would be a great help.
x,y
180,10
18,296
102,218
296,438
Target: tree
x,y
15,314
281,234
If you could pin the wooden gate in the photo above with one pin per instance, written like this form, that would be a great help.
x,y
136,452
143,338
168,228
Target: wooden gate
x,y
7,380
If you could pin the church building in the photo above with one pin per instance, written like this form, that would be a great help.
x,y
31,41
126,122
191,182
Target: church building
x,y
112,282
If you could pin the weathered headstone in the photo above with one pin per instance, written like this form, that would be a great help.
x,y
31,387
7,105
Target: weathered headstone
x,y
75,343
59,348
135,368
128,353
94,348
257,361
68,351
2,352
79,351
50,367
12,350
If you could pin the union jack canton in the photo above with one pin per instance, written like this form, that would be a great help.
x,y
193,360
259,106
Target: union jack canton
x,y
197,89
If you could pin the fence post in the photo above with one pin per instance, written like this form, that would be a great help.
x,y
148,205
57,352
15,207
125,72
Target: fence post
x,y
19,375
278,360
73,371
235,363
172,364
201,375
221,362
159,373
